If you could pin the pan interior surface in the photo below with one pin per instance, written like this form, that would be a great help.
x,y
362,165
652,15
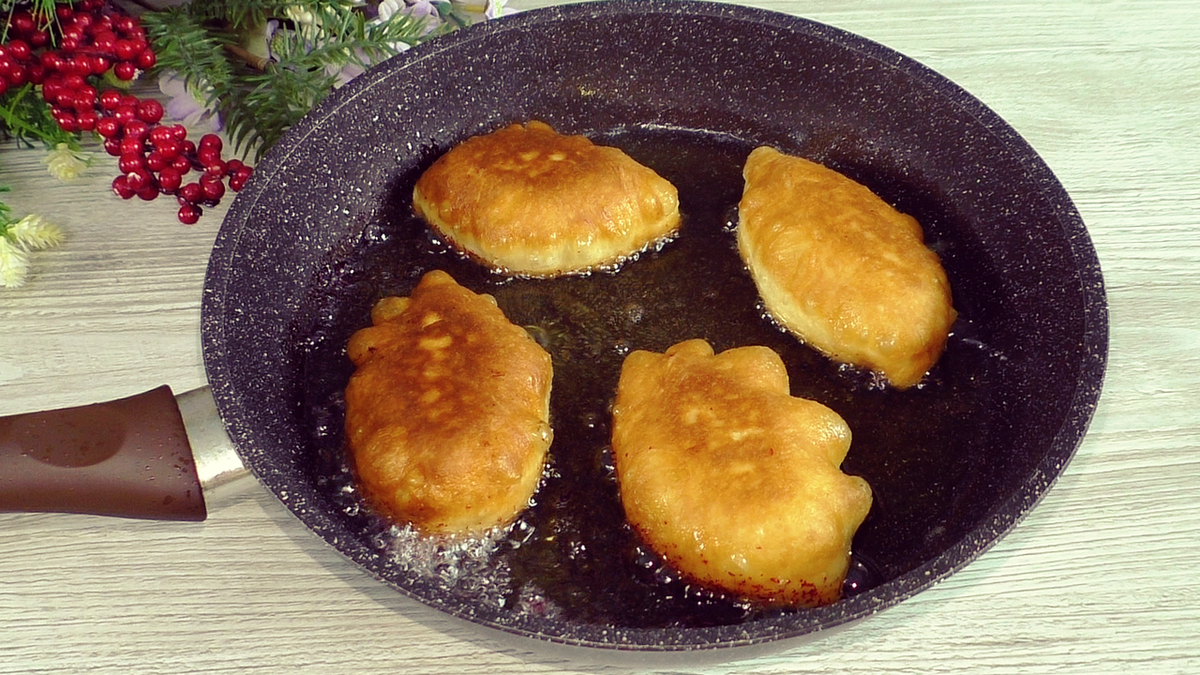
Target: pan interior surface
x,y
325,228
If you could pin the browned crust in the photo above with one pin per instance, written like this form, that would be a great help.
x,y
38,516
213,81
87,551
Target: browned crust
x,y
530,201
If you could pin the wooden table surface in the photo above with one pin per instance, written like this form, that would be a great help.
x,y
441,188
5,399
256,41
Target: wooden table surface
x,y
1100,578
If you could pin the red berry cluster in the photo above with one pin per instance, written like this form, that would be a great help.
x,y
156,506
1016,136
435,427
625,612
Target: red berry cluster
x,y
93,38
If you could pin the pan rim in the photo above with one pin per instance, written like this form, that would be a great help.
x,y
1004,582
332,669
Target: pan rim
x,y
998,521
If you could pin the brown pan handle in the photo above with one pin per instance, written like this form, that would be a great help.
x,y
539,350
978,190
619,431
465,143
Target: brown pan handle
x,y
130,458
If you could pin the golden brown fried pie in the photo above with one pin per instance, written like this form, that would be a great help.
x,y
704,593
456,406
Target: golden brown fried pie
x,y
842,269
731,479
447,413
533,202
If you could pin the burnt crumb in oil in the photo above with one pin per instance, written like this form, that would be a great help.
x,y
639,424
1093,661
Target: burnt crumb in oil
x,y
572,556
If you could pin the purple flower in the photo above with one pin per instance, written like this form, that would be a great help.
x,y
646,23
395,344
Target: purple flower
x,y
184,106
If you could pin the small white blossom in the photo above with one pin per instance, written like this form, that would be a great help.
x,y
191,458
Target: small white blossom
x,y
14,264
64,163
35,232
17,240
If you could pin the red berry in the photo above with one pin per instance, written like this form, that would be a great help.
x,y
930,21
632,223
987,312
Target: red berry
x,y
169,179
81,64
150,111
125,71
124,114
19,49
136,128
103,23
23,22
124,50
215,170
156,162
85,98
161,134
238,180
209,156
213,189
148,193
120,187
37,72
187,148
170,149
180,132
73,32
50,89
110,99
146,59
108,127
129,163
39,38
18,76
232,166
105,41
211,141
130,100
112,145
138,179
66,121
99,64
64,12
132,146
181,164
191,193
189,214
124,23
87,120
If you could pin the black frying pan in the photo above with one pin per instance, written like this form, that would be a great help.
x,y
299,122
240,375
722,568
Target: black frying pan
x,y
324,228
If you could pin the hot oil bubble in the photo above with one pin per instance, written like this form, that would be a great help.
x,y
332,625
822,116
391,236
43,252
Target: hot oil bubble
x,y
634,313
465,565
863,378
520,534
861,576
729,220
608,463
375,233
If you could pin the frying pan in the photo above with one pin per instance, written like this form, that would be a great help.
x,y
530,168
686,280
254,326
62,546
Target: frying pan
x,y
324,228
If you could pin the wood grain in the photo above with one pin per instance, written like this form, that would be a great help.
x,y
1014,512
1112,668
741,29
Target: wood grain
x,y
1099,578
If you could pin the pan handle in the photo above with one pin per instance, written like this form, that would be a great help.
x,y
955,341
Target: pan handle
x,y
132,457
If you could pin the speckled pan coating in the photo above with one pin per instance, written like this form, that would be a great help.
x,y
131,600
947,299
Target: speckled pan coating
x,y
749,74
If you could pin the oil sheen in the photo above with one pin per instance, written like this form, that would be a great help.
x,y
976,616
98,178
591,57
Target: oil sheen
x,y
571,557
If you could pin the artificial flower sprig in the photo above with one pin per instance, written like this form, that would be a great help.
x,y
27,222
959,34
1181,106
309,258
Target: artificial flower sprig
x,y
17,239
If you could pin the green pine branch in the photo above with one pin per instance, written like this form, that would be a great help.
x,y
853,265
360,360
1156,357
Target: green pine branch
x,y
260,102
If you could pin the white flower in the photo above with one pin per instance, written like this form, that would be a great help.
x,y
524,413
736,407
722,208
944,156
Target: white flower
x,y
17,240
64,163
14,264
35,232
